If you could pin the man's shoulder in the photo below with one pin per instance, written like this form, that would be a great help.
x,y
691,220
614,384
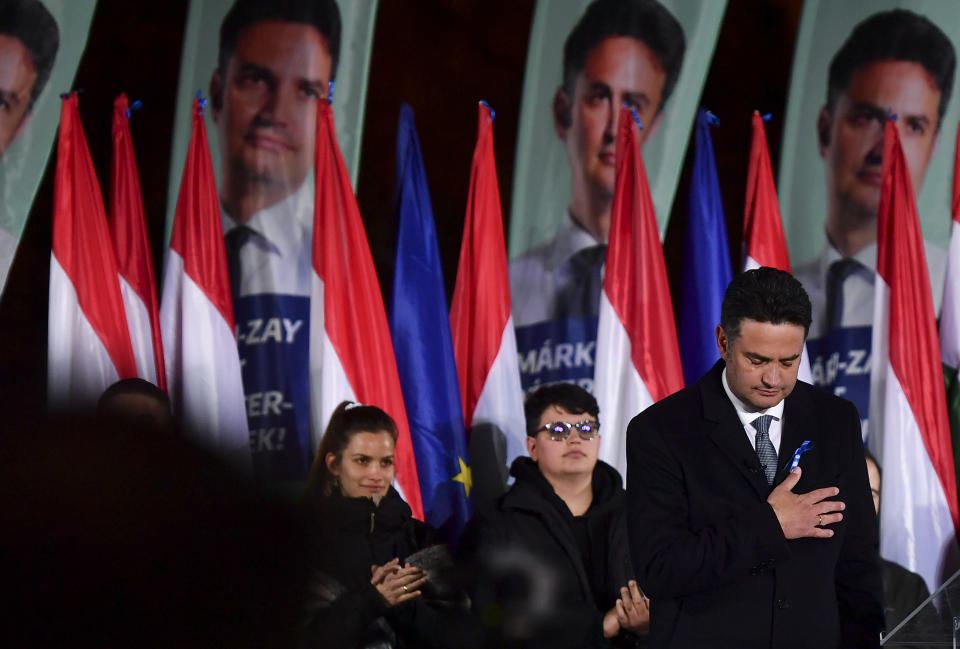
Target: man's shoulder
x,y
533,282
541,258
808,272
684,404
811,273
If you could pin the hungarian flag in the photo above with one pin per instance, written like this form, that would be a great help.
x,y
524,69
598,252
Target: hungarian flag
x,y
910,432
131,242
708,270
351,353
484,343
763,241
89,342
638,360
424,346
950,316
196,313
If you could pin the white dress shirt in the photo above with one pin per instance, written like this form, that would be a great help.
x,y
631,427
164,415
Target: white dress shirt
x,y
278,257
537,275
747,415
858,288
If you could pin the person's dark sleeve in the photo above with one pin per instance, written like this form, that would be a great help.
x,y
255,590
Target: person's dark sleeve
x,y
340,624
672,557
857,576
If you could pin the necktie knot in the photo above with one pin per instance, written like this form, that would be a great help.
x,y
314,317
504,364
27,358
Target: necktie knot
x,y
762,424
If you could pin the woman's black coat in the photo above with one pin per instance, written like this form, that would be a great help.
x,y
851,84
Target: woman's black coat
x,y
345,610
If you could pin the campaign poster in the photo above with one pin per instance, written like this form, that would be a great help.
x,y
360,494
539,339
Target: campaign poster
x,y
263,67
855,65
585,60
38,61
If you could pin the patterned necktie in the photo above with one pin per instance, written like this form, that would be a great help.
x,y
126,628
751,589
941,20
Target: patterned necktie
x,y
765,451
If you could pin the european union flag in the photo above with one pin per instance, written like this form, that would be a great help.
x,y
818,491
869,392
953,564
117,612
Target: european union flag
x,y
707,269
420,327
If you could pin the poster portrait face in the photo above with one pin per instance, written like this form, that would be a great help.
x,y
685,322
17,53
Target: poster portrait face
x,y
587,60
640,49
29,39
17,78
851,137
298,45
619,70
854,65
894,64
38,61
268,65
272,72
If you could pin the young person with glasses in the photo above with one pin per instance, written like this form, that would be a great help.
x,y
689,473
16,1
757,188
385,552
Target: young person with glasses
x,y
551,555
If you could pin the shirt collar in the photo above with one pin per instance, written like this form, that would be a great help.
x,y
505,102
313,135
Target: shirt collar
x,y
571,239
744,412
866,256
273,222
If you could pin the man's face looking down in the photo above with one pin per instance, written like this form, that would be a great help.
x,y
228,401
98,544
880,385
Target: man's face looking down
x,y
266,112
618,70
17,76
851,139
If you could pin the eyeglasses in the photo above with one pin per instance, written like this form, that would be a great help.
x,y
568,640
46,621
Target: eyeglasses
x,y
559,431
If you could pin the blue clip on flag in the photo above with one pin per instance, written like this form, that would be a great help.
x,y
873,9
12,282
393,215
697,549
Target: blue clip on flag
x,y
420,327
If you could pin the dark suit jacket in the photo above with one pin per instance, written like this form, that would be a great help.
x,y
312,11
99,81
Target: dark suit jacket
x,y
708,547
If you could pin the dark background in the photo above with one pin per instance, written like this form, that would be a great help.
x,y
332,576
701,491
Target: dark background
x,y
440,56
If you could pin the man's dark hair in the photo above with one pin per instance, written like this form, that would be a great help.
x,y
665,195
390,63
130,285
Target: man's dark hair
x,y
113,408
31,23
569,396
644,20
324,15
764,295
897,35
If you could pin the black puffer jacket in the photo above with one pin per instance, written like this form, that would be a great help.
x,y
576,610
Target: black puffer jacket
x,y
531,578
345,610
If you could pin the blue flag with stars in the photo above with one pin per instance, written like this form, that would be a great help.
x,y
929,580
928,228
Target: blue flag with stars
x,y
707,270
420,327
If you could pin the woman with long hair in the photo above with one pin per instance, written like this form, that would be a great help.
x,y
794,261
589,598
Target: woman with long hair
x,y
376,581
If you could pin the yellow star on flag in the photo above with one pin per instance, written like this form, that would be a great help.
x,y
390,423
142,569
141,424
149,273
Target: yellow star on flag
x,y
465,477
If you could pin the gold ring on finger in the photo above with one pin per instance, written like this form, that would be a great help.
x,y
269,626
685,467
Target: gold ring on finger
x,y
819,520
404,587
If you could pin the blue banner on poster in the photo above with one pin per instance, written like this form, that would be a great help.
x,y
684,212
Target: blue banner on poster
x,y
558,350
840,362
273,333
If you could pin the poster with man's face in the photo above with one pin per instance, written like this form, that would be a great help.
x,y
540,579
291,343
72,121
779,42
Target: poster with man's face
x,y
38,61
829,160
264,67
857,65
586,60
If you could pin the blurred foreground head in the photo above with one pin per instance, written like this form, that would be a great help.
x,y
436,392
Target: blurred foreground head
x,y
119,540
137,404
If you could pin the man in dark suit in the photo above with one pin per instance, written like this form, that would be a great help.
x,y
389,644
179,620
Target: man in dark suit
x,y
737,543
